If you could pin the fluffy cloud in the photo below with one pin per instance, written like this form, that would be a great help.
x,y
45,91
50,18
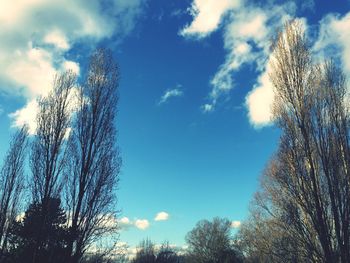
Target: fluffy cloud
x,y
26,115
235,224
124,223
259,101
36,36
207,15
161,216
124,220
334,38
57,39
177,92
246,32
142,224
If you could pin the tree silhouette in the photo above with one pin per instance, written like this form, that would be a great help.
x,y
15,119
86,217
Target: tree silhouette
x,y
48,147
94,163
12,184
166,254
49,244
147,253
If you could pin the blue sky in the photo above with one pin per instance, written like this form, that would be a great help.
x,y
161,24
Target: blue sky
x,y
194,118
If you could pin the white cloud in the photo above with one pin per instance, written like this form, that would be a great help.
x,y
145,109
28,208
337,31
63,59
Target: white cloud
x,y
161,216
57,39
26,116
334,38
37,34
171,93
30,71
207,107
259,101
142,224
125,221
246,32
207,15
235,224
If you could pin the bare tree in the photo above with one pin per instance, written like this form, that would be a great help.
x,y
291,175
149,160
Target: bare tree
x,y
48,148
211,242
12,183
146,252
269,234
167,254
94,162
306,186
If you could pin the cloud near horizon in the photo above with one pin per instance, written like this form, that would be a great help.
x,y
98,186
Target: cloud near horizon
x,y
142,224
125,223
161,216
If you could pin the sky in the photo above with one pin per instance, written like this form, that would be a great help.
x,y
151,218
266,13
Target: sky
x,y
194,114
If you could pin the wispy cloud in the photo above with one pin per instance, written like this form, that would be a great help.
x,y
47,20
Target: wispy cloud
x,y
246,30
161,216
334,39
170,93
208,107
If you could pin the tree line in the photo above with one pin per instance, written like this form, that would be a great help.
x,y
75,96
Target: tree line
x,y
208,242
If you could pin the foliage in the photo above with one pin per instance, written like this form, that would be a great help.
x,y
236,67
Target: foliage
x,y
38,229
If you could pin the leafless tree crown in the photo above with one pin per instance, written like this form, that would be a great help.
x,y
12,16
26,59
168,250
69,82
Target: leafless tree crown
x,y
305,194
